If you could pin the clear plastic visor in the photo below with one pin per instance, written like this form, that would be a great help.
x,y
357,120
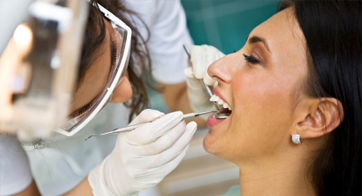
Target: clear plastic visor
x,y
116,75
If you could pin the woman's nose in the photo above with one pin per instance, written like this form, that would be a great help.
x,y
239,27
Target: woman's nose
x,y
123,92
220,70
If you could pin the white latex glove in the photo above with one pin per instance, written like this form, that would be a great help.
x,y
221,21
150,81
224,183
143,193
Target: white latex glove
x,y
201,58
144,156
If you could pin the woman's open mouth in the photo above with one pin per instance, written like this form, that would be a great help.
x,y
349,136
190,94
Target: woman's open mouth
x,y
220,102
220,116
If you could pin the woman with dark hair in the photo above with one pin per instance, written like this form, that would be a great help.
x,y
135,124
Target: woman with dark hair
x,y
137,160
295,93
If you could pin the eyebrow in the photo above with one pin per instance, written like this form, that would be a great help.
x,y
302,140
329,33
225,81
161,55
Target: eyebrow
x,y
255,39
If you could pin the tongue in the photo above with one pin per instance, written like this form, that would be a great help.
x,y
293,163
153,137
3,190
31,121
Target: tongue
x,y
225,110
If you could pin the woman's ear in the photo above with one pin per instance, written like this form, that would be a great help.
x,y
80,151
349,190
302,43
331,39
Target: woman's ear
x,y
324,116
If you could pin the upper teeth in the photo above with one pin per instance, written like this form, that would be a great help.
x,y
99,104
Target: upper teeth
x,y
219,101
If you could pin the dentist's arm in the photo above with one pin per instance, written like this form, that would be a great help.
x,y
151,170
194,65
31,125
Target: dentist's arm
x,y
31,190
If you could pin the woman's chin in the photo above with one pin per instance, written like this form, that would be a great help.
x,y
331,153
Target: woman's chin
x,y
209,143
217,130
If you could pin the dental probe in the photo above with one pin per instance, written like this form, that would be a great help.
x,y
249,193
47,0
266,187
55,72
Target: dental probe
x,y
132,127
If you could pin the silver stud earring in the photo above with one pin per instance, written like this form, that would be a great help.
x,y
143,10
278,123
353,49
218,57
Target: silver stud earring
x,y
296,139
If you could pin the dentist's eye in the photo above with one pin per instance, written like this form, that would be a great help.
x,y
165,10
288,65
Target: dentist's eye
x,y
251,59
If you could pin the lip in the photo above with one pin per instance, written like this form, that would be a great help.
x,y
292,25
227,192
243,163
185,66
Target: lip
x,y
216,92
212,121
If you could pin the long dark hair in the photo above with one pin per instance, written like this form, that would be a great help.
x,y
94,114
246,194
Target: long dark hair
x,y
333,32
139,64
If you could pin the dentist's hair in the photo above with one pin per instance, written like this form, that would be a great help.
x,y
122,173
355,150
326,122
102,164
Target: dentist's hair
x,y
333,33
139,63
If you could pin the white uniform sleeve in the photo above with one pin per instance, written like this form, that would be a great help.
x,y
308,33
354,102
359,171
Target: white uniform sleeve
x,y
166,21
15,174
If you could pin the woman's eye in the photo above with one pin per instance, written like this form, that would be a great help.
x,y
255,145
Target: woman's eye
x,y
251,59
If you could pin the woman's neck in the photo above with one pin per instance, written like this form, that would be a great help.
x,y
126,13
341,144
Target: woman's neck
x,y
275,177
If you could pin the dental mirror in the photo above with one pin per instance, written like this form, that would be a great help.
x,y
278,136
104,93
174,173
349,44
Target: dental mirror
x,y
222,115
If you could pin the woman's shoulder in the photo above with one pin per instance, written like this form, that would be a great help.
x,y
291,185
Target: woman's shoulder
x,y
233,191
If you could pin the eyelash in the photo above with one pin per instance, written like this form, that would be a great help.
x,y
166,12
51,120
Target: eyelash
x,y
84,109
114,52
251,59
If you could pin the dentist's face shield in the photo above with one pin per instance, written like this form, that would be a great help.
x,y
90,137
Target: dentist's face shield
x,y
123,39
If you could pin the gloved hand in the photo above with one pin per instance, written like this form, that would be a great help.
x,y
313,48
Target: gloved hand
x,y
144,156
201,58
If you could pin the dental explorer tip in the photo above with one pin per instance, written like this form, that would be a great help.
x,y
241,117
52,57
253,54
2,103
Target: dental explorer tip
x,y
88,137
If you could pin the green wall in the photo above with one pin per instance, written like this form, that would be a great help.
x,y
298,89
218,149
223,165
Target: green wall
x,y
225,24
